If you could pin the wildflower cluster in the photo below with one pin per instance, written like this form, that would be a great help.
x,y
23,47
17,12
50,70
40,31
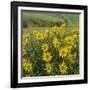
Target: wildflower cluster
x,y
51,51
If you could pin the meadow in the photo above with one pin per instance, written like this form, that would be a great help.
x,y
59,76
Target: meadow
x,y
50,43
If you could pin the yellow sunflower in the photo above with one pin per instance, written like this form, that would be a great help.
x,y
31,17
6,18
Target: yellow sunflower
x,y
44,47
27,66
47,56
63,52
55,29
71,58
39,36
26,38
56,42
69,40
63,68
48,68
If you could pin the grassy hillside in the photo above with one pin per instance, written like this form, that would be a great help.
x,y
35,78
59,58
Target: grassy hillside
x,y
47,19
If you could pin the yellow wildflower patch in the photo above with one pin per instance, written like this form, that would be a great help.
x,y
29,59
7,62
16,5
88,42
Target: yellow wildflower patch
x,y
39,36
63,52
44,47
56,42
48,68
63,68
47,56
27,66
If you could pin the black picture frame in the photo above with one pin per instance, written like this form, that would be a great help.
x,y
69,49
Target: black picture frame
x,y
14,43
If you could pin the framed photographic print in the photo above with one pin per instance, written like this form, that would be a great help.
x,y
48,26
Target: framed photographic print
x,y
48,44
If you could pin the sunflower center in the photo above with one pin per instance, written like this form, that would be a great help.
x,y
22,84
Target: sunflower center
x,y
47,56
45,47
63,68
63,52
39,36
69,40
